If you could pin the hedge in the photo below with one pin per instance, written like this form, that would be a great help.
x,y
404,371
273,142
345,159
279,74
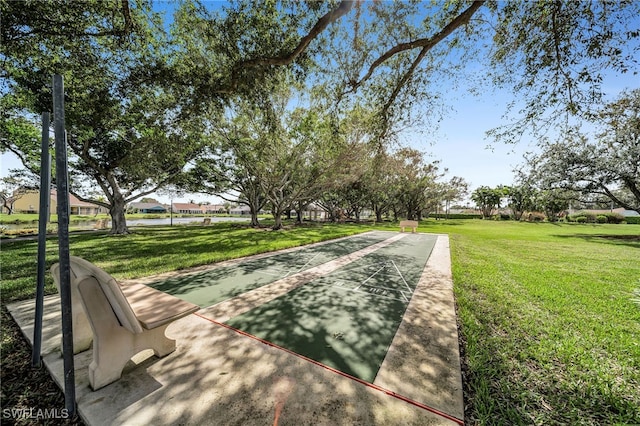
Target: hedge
x,y
614,218
583,217
455,216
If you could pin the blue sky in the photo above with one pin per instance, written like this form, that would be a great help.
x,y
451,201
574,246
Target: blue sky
x,y
461,144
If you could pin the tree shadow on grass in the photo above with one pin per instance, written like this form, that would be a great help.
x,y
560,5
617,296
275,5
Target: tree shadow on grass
x,y
614,239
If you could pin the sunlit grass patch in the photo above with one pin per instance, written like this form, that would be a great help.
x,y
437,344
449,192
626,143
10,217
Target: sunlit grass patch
x,y
552,334
549,313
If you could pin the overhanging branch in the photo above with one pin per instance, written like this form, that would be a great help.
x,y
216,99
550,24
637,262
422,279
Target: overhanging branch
x,y
425,43
342,9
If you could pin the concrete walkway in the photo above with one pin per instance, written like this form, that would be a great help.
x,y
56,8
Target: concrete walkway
x,y
218,376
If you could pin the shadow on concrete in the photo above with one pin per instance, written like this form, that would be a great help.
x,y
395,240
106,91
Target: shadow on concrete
x,y
216,285
348,318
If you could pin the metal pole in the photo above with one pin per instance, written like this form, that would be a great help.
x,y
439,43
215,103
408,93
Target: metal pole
x,y
45,195
63,244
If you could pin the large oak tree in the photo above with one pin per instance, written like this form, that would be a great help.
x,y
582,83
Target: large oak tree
x,y
125,135
135,93
607,163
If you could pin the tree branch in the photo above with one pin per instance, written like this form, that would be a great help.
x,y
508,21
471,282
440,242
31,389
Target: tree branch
x,y
342,9
618,200
53,27
426,43
403,80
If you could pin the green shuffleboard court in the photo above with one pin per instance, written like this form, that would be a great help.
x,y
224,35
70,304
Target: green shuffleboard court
x,y
208,288
346,319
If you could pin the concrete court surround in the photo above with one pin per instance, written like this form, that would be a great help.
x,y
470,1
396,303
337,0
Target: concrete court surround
x,y
218,376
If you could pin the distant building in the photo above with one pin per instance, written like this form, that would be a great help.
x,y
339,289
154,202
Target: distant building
x,y
147,208
314,212
213,209
187,208
30,203
240,210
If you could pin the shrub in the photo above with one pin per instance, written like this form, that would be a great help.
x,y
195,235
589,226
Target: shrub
x,y
456,216
635,220
581,219
536,217
601,218
614,217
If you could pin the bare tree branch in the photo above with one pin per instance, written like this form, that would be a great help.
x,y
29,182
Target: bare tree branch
x,y
404,80
426,44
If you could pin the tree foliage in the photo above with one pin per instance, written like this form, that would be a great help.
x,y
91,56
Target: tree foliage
x,y
487,199
520,199
604,165
141,101
555,56
125,135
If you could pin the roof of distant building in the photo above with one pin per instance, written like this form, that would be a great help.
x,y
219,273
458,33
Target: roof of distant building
x,y
141,206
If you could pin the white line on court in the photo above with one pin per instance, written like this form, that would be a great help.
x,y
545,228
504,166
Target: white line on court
x,y
345,284
309,261
400,273
404,298
372,275
224,310
278,272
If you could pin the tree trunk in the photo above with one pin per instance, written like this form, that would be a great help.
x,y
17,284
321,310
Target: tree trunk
x,y
278,221
254,215
254,219
330,215
357,214
118,219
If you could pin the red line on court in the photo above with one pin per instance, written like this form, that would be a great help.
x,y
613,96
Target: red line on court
x,y
349,376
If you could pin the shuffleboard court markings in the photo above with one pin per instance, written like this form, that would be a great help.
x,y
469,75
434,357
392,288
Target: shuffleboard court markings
x,y
356,287
218,284
374,284
380,275
401,276
374,274
362,302
281,272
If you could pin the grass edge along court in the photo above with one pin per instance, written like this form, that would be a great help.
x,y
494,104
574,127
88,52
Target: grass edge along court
x,y
549,326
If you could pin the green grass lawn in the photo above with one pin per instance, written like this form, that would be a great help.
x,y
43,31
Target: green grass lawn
x,y
549,313
552,333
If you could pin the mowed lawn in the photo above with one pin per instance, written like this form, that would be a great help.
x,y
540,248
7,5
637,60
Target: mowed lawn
x,y
549,314
550,326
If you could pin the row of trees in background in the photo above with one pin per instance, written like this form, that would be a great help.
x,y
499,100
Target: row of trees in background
x,y
600,168
520,200
144,99
305,157
525,202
